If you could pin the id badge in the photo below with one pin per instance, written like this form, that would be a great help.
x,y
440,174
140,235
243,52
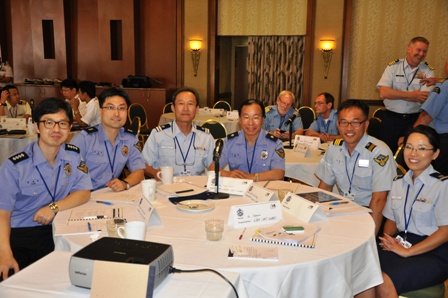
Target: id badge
x,y
349,196
404,243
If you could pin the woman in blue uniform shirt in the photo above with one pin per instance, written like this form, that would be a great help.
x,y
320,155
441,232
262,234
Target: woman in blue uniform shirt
x,y
414,252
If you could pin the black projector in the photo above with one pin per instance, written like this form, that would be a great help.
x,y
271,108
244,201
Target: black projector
x,y
158,256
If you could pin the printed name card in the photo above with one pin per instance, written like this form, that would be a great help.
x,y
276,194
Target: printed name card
x,y
258,194
256,214
302,150
12,123
302,209
313,142
233,186
148,213
232,115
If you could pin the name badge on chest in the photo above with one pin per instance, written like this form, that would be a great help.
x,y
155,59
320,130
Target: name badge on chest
x,y
363,163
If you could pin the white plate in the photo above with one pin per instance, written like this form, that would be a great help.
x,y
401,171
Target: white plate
x,y
195,206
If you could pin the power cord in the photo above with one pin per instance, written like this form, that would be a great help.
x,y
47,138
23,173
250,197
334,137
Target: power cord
x,y
175,270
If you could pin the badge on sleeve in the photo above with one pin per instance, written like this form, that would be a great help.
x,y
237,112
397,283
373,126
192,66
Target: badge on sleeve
x,y
281,153
68,169
83,167
264,154
381,159
125,150
137,145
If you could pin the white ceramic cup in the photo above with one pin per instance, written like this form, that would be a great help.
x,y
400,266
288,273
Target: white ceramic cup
x,y
133,230
166,175
149,189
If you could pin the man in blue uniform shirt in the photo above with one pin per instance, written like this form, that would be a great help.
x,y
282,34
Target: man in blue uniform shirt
x,y
251,153
325,126
277,117
47,177
180,144
362,166
107,147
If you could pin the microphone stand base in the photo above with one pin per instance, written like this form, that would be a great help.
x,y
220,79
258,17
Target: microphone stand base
x,y
220,195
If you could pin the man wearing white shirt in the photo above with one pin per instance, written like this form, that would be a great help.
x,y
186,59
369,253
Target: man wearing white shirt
x,y
69,89
86,92
10,104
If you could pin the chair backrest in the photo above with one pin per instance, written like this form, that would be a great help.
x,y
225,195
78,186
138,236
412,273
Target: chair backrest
x,y
222,104
374,128
307,114
135,125
399,158
137,109
217,129
167,108
379,113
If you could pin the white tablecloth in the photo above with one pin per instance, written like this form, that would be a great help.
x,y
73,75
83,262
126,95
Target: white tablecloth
x,y
199,119
303,168
49,278
344,262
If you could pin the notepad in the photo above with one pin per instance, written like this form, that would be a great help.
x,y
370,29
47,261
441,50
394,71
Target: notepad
x,y
319,197
309,243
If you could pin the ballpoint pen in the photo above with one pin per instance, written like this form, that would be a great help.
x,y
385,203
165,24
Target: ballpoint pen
x,y
241,235
338,203
104,202
89,227
183,191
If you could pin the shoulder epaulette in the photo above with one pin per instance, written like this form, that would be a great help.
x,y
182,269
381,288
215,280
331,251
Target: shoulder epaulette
x,y
393,62
22,102
439,176
91,129
370,146
129,131
268,109
19,157
71,147
338,142
398,177
430,66
436,90
204,129
271,137
162,127
232,135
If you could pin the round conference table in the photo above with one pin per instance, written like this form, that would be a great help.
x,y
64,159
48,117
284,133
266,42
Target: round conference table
x,y
343,263
199,119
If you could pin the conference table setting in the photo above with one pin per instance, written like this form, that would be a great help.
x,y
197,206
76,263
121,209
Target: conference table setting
x,y
340,261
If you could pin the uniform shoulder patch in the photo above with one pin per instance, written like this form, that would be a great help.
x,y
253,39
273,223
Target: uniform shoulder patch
x,y
129,131
162,127
91,129
271,137
232,135
22,102
430,66
19,157
393,62
439,176
338,142
370,146
381,159
204,129
398,177
71,147
436,90
280,152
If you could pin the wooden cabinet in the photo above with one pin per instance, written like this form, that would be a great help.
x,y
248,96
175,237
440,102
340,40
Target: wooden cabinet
x,y
38,92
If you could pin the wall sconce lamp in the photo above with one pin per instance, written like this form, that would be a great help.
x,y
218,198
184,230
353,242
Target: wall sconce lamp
x,y
195,47
327,46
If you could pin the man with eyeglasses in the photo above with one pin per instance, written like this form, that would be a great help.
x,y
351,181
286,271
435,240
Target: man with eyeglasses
x,y
252,153
69,89
180,144
325,126
361,166
108,147
277,117
48,176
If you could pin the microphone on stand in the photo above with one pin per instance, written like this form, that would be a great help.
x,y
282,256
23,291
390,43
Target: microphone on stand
x,y
216,155
289,122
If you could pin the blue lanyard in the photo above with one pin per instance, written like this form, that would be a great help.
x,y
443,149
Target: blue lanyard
x,y
53,196
251,163
408,220
184,158
409,82
353,172
111,163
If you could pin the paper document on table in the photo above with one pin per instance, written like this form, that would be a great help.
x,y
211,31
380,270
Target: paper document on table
x,y
181,189
277,184
130,196
79,228
253,253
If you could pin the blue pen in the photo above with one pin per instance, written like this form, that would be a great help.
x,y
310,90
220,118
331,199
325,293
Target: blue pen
x,y
89,227
104,202
338,203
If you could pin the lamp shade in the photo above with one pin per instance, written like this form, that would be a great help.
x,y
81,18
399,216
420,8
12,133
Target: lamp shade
x,y
327,44
195,44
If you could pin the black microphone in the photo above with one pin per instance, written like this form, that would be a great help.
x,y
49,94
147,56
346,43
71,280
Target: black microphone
x,y
218,148
291,119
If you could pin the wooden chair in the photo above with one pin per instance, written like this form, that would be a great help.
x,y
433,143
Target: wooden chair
x,y
378,113
222,104
137,110
217,129
308,115
167,108
374,128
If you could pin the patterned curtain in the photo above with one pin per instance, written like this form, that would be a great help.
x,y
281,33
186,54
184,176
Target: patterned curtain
x,y
275,64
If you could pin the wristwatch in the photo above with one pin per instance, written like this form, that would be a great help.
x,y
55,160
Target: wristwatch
x,y
127,184
256,177
3,104
54,207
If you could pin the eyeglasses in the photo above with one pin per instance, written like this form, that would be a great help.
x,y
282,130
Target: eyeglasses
x,y
418,149
320,103
50,124
255,118
114,108
354,124
285,104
